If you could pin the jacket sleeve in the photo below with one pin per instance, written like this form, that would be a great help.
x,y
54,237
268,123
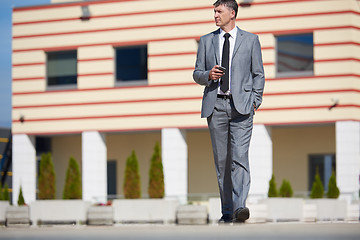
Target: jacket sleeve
x,y
257,71
200,74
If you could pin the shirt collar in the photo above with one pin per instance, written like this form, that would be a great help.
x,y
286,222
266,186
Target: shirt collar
x,y
232,32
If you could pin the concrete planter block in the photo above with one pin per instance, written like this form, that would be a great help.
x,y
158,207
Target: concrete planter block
x,y
214,210
192,215
17,216
3,206
284,209
52,212
309,212
258,213
330,209
100,215
353,212
144,210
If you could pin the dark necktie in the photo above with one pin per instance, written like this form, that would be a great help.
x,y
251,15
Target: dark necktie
x,y
224,86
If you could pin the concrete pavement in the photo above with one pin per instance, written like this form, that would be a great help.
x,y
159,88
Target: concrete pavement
x,y
275,231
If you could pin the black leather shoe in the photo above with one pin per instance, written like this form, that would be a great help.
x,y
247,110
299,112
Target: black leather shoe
x,y
226,218
240,215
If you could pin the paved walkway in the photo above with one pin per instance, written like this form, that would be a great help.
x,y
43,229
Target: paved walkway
x,y
275,231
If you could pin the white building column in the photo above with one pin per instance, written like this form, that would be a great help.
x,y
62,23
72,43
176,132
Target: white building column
x,y
175,163
260,158
348,158
94,164
23,167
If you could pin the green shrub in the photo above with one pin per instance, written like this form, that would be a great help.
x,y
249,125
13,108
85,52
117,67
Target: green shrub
x,y
317,190
333,190
21,200
47,188
1,193
272,187
6,195
156,175
72,188
132,178
286,189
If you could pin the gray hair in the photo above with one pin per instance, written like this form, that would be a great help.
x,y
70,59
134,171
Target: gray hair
x,y
232,4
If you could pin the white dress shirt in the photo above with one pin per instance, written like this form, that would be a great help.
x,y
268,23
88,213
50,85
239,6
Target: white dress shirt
x,y
232,40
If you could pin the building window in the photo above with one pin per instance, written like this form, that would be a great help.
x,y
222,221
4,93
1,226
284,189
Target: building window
x,y
131,64
42,145
111,179
294,54
62,68
324,164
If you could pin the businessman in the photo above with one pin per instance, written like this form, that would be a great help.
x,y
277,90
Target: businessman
x,y
229,65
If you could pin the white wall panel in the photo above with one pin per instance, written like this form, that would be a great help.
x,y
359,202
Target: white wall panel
x,y
175,163
348,158
24,168
94,165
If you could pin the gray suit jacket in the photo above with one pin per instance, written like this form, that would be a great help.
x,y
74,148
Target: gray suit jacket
x,y
247,73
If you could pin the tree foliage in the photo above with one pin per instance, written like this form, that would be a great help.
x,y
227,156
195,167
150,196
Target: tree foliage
x,y
272,187
317,190
156,175
72,188
333,190
132,178
21,200
6,195
47,187
286,189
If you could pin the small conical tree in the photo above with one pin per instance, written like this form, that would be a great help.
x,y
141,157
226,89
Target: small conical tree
x,y
6,195
272,187
132,178
72,188
286,189
333,190
47,188
21,200
156,175
317,190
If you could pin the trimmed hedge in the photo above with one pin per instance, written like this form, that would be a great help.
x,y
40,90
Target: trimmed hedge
x,y
286,189
47,186
131,185
272,187
156,175
21,200
73,187
317,190
333,190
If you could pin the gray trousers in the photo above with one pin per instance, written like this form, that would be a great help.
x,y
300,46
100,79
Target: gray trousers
x,y
230,134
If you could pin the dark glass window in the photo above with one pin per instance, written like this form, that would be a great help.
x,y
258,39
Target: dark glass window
x,y
324,164
42,145
111,179
295,53
131,63
61,68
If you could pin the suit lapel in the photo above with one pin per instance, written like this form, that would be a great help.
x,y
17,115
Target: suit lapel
x,y
239,38
215,41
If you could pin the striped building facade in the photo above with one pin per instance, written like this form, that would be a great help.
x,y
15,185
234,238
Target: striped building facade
x,y
78,91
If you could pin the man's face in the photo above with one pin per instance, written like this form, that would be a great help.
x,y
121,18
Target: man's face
x,y
223,15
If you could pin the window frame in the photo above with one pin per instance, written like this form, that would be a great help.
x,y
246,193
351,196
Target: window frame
x,y
138,82
61,86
